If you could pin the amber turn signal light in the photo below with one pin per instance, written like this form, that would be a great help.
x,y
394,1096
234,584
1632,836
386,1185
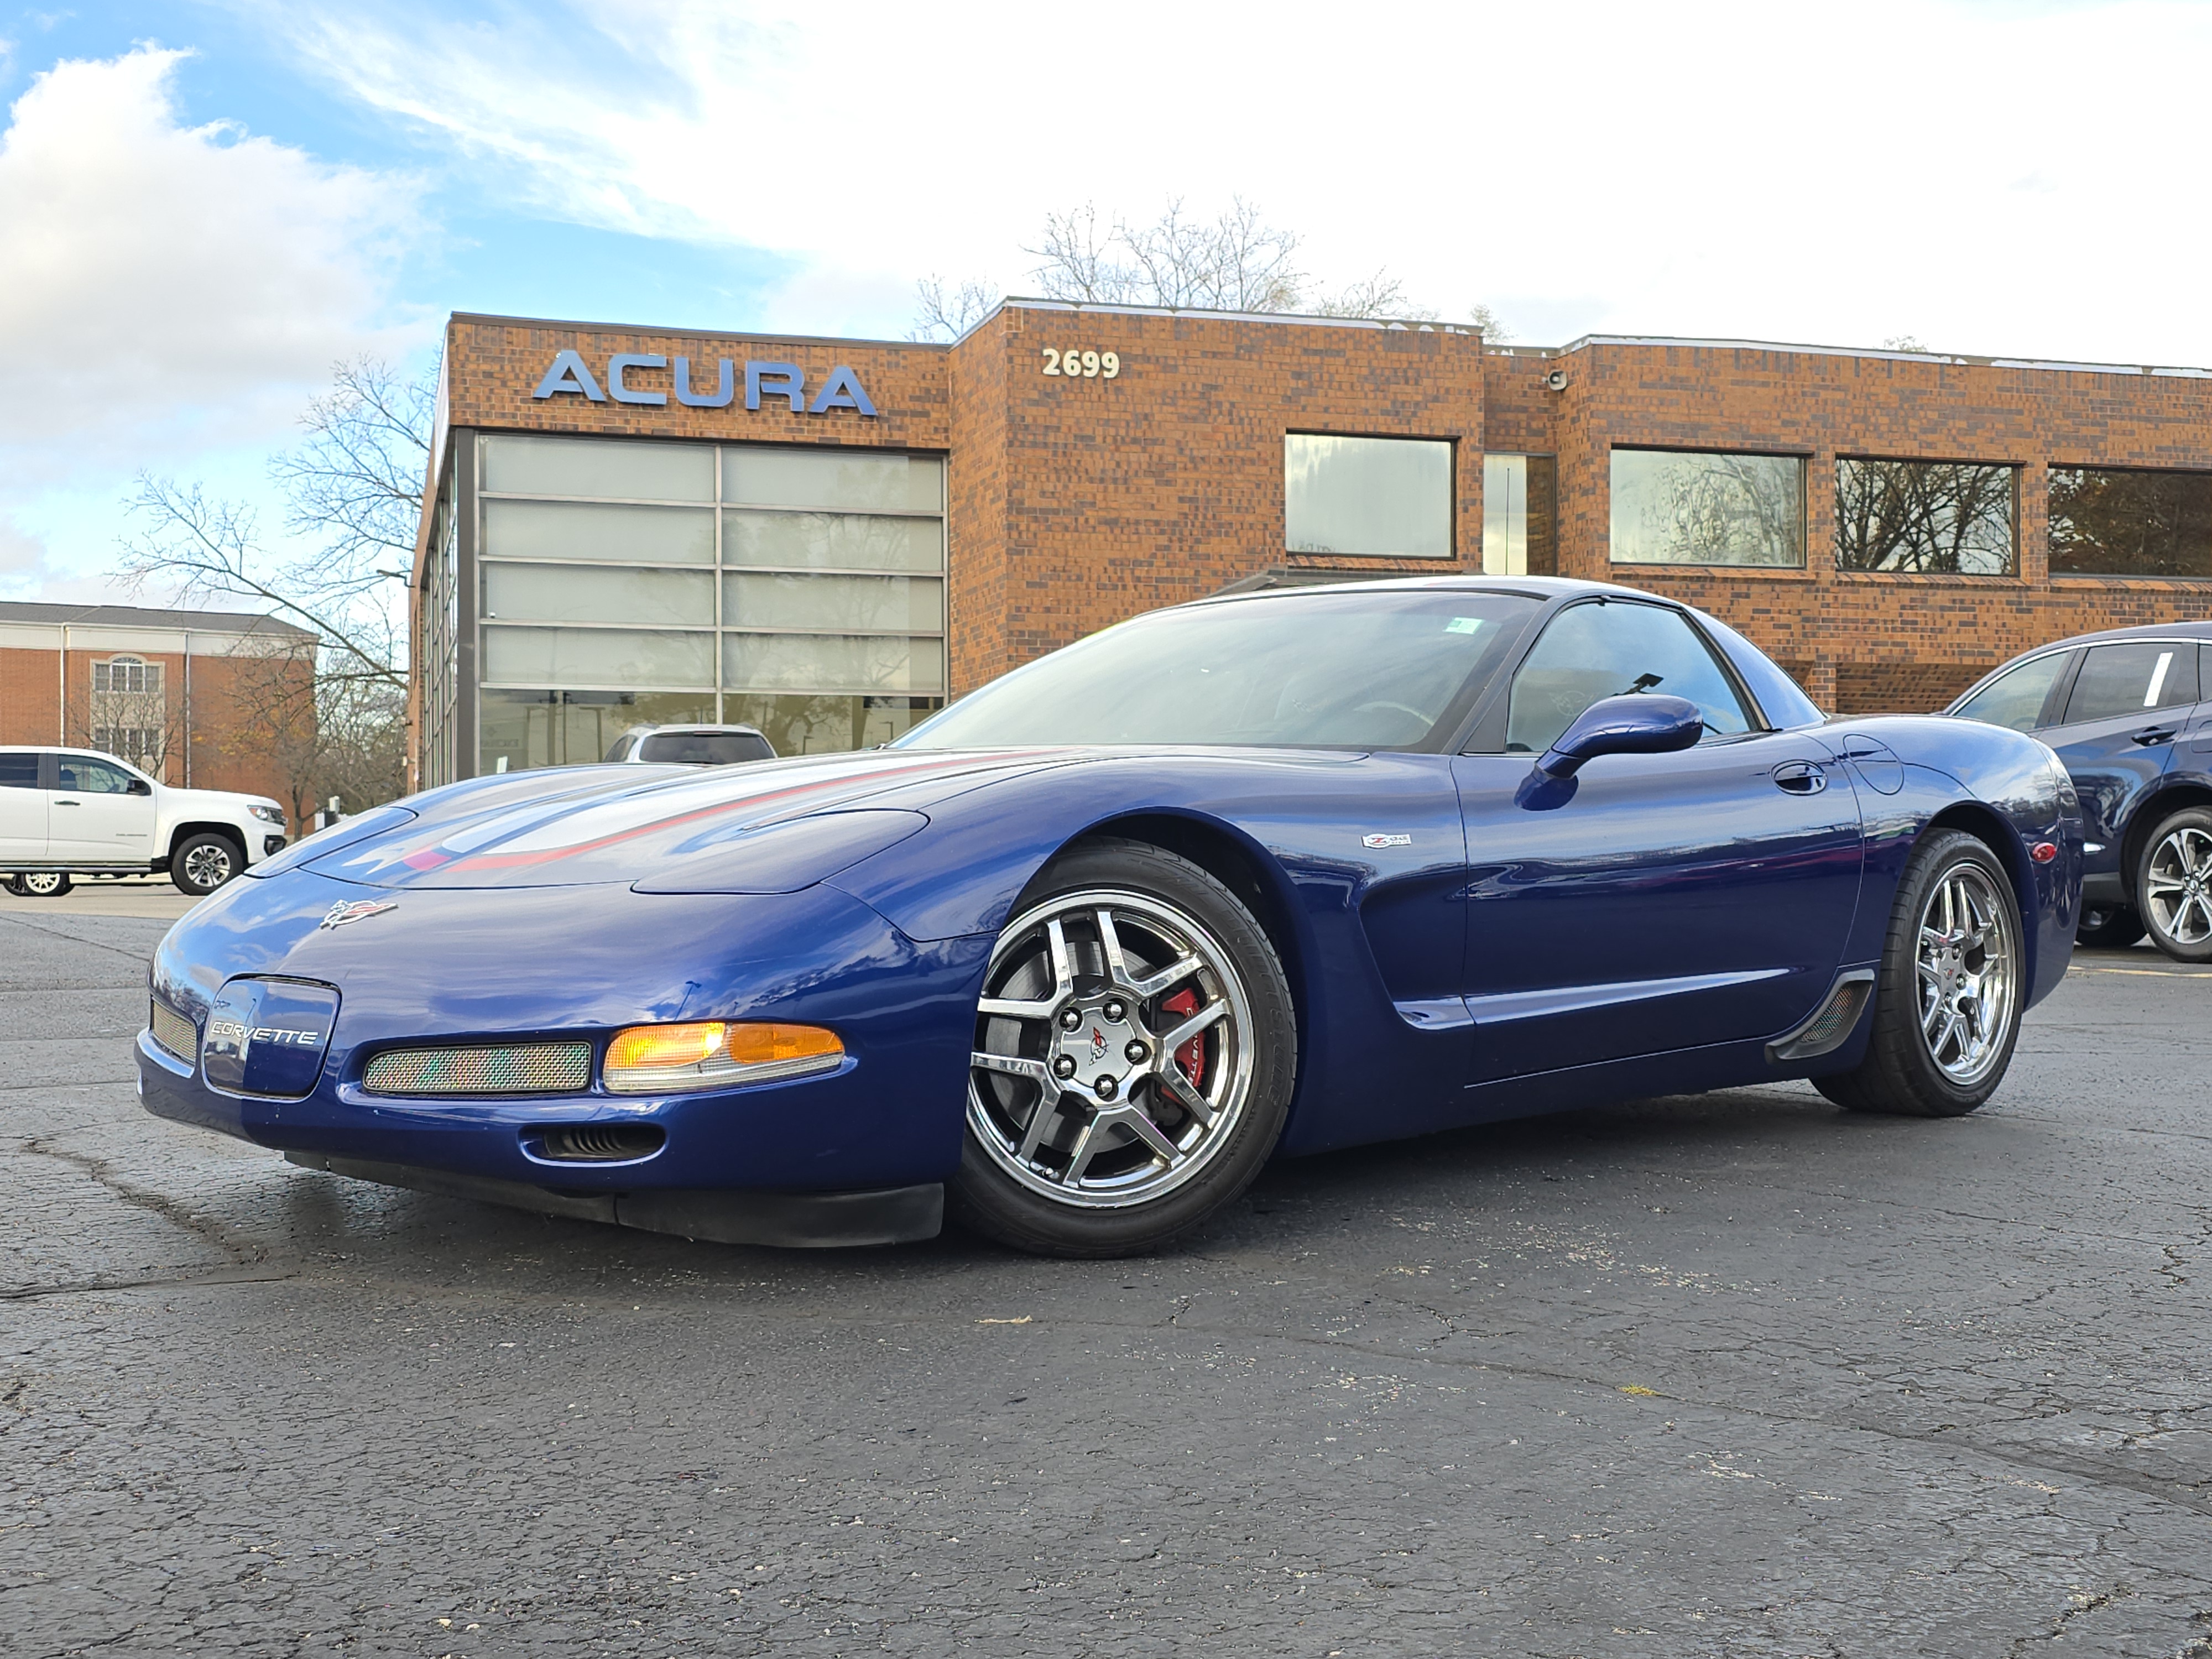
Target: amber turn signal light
x,y
650,1060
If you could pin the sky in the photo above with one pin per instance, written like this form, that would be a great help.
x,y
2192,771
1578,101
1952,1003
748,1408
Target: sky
x,y
206,206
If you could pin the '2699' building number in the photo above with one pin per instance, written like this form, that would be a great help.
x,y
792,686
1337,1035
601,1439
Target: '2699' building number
x,y
1082,365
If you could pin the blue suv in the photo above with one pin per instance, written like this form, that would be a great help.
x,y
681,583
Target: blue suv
x,y
2129,713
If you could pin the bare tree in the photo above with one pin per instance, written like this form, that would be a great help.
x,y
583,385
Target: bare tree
x,y
944,314
1488,324
1234,261
353,494
1902,343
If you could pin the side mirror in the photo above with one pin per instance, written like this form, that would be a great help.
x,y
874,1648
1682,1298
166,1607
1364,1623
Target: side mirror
x,y
1641,723
139,786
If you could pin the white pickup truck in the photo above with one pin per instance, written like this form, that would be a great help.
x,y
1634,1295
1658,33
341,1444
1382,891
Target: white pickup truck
x,y
76,812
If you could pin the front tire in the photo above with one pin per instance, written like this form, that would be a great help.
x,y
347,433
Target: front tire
x,y
2173,884
1135,1050
202,863
1950,992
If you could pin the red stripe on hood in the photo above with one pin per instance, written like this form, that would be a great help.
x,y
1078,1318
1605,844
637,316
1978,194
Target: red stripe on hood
x,y
512,860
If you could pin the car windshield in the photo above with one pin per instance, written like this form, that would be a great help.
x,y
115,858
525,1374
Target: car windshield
x,y
1335,669
705,748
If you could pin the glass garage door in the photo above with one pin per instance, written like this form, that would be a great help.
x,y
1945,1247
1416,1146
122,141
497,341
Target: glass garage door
x,y
624,582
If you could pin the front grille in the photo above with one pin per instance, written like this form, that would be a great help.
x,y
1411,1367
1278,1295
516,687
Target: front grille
x,y
174,1031
534,1068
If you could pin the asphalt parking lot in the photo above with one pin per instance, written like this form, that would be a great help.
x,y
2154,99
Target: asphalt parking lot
x,y
1732,1375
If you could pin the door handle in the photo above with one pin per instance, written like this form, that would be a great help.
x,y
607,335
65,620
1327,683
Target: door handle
x,y
68,803
2151,734
1800,778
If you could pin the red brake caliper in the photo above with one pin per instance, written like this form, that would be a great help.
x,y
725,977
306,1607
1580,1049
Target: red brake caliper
x,y
1192,1055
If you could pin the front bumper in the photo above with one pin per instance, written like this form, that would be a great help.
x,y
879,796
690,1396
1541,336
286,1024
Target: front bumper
x,y
491,966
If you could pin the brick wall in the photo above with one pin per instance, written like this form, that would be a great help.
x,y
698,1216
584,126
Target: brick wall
x,y
1166,482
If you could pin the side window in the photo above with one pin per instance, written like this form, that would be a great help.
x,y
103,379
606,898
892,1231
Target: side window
x,y
82,774
19,771
620,751
2132,679
1608,647
2016,699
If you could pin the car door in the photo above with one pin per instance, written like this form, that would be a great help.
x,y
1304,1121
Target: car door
x,y
22,807
2129,703
94,815
1669,901
2192,751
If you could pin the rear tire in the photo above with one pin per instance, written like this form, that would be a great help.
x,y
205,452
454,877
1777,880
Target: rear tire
x,y
1135,1051
2108,928
1950,992
202,863
2173,884
43,883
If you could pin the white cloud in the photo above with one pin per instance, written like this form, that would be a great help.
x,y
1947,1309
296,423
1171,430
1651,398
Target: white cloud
x,y
2013,178
163,288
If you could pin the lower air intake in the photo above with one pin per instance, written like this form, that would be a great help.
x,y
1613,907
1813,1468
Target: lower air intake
x,y
601,1142
1833,1021
533,1068
173,1031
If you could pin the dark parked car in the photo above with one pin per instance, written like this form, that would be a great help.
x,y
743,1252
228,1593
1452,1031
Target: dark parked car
x,y
691,745
2130,714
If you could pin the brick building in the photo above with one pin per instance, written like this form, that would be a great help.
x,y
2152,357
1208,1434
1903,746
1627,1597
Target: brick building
x,y
828,537
200,699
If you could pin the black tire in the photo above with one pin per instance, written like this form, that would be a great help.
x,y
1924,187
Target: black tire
x,y
2173,885
43,884
1901,1073
1040,1195
202,863
2108,928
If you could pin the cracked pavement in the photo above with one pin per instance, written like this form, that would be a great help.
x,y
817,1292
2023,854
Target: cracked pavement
x,y
1732,1375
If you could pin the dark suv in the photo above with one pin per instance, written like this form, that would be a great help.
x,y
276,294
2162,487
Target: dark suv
x,y
2129,712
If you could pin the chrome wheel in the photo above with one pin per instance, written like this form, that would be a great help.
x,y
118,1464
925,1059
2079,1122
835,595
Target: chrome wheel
x,y
1965,974
44,884
208,865
2177,886
1113,1053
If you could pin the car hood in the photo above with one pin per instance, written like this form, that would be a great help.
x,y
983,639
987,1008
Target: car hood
x,y
212,801
770,826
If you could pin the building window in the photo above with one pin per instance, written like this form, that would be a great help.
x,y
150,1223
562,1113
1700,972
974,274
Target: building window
x,y
624,583
130,713
1700,506
127,674
2110,521
1520,495
1944,518
139,744
1367,497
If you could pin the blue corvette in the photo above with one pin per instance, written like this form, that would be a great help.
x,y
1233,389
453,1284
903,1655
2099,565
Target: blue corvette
x,y
1277,873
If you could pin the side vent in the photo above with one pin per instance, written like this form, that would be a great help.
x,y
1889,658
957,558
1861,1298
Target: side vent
x,y
599,1143
1832,1024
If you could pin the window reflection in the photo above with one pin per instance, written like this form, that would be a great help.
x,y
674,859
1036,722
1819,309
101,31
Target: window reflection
x,y
1698,507
2108,521
1369,497
1947,518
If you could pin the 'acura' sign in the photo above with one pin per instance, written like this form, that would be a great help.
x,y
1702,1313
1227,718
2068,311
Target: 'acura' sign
x,y
840,391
